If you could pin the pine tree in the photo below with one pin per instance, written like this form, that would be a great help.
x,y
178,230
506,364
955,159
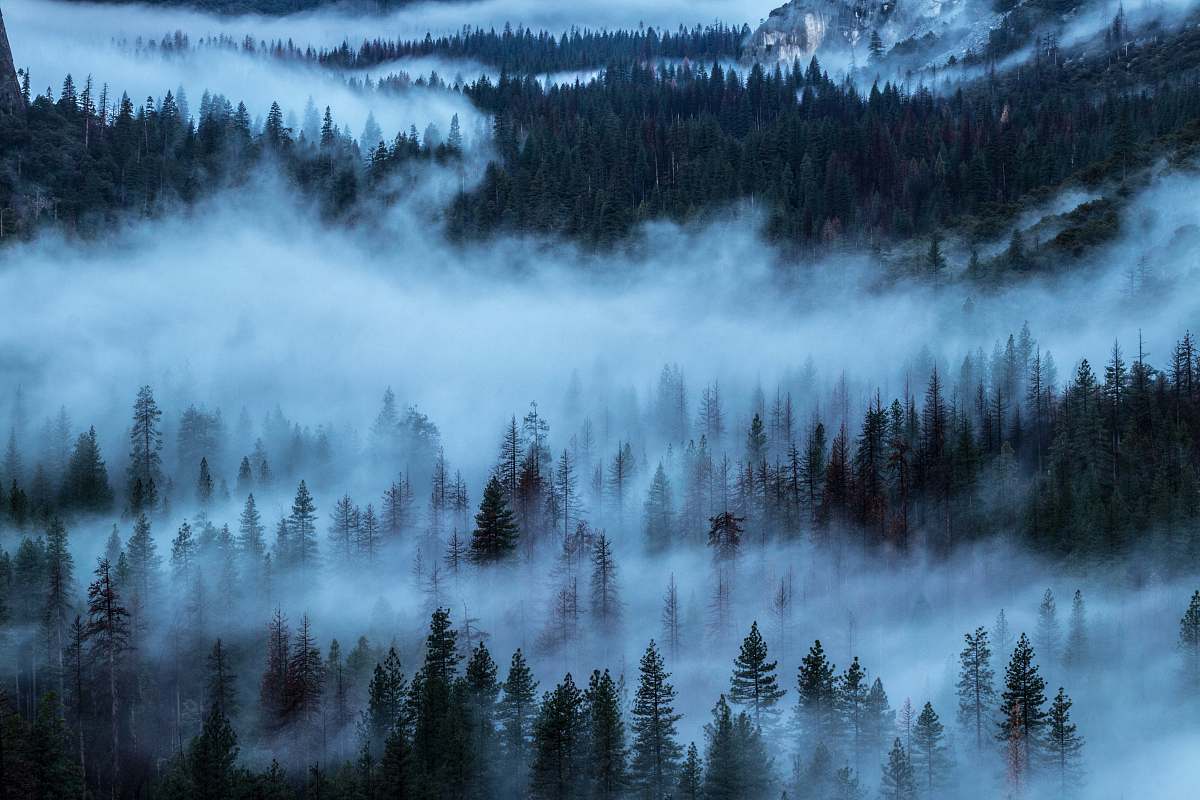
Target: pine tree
x,y
1189,642
222,686
816,698
144,563
245,476
273,688
204,484
1022,715
385,703
880,718
929,759
108,632
482,691
183,553
691,776
495,534
898,782
516,713
976,684
558,736
1075,653
85,487
852,694
606,604
1049,634
606,767
60,568
725,535
1064,746
722,778
671,621
754,683
250,532
212,758
367,536
302,530
660,525
343,529
145,463
656,753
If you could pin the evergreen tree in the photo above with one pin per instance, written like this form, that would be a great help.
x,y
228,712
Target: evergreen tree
x,y
898,782
483,689
816,698
976,685
516,712
250,532
302,530
656,752
1075,653
659,511
495,534
754,683
691,776
1022,716
880,719
606,767
929,759
85,487
1048,634
385,704
1189,642
222,683
204,484
852,694
606,604
145,463
1064,746
558,738
108,633
212,758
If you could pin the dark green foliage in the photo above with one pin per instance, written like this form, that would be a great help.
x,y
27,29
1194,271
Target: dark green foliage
x,y
212,758
976,685
754,683
1022,716
495,534
1189,642
558,744
606,759
898,782
930,761
656,752
516,712
736,761
816,698
1064,746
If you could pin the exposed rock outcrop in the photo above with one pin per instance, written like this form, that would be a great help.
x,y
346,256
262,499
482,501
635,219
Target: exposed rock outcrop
x,y
10,90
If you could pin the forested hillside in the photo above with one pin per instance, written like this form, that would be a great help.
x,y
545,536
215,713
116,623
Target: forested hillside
x,y
824,163
791,409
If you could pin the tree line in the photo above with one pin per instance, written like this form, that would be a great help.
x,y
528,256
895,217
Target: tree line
x,y
334,723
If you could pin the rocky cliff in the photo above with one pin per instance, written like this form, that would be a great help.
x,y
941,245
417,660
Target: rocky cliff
x,y
10,89
802,28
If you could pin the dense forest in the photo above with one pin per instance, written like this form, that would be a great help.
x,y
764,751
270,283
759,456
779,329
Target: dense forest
x,y
826,164
517,50
107,687
627,417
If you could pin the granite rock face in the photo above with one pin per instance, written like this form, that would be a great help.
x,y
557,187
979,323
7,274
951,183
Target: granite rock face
x,y
10,90
803,28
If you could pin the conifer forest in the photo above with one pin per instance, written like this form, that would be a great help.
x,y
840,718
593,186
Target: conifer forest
x,y
678,400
